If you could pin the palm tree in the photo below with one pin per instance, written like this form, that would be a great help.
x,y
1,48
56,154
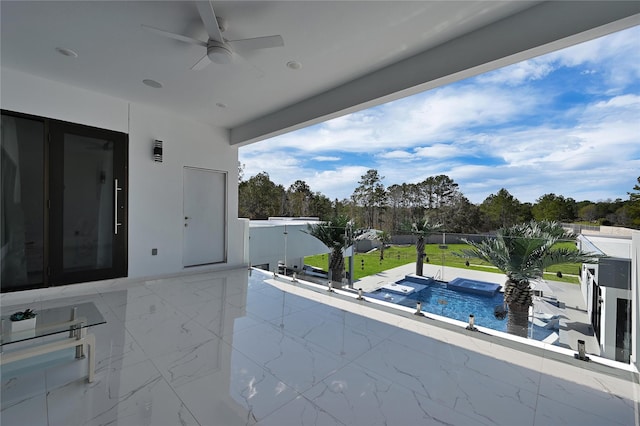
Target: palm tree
x,y
523,252
422,229
332,234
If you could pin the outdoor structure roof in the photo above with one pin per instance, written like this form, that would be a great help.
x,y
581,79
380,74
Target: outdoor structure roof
x,y
607,245
351,54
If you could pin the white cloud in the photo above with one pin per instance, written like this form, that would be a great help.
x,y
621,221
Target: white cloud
x,y
396,155
585,161
441,151
430,117
616,56
338,183
281,167
326,158
516,74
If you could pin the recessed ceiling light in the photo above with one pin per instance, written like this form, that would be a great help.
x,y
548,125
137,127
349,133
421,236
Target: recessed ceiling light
x,y
294,65
152,83
221,105
66,52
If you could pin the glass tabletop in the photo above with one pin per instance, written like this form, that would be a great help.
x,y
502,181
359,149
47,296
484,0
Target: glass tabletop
x,y
51,321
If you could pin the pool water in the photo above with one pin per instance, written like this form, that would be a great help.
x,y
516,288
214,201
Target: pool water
x,y
438,299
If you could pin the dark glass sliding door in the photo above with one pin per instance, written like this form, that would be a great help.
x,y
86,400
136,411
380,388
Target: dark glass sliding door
x,y
88,220
69,224
22,209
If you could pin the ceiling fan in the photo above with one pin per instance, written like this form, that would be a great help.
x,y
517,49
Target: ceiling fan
x,y
219,49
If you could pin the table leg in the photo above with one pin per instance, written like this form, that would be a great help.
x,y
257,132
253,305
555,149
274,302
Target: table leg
x,y
91,347
78,332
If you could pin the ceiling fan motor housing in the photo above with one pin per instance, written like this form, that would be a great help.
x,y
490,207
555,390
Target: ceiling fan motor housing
x,y
218,52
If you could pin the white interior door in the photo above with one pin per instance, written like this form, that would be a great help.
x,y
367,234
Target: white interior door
x,y
204,208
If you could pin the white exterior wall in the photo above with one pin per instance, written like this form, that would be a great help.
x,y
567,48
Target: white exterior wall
x,y
267,245
155,189
608,318
586,283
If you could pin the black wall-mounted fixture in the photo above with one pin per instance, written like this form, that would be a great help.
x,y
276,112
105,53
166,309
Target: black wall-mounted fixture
x,y
157,151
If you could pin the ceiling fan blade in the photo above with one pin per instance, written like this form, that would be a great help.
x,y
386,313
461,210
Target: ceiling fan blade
x,y
202,63
208,16
257,43
174,36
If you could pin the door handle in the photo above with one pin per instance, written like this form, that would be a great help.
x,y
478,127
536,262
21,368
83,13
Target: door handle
x,y
116,188
186,218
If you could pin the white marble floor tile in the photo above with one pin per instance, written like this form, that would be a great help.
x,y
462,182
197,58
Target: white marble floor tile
x,y
359,397
134,302
297,303
135,395
298,363
115,348
433,347
488,369
184,295
166,332
21,381
337,338
476,393
31,412
300,412
430,376
358,322
192,363
558,413
495,401
241,321
243,391
581,375
210,314
263,305
599,398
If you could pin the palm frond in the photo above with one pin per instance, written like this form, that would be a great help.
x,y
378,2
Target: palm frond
x,y
524,251
331,233
424,227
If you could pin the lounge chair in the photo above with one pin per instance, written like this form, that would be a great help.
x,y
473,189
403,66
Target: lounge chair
x,y
552,339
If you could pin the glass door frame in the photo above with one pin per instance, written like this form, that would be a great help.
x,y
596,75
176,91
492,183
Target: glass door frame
x,y
45,196
119,268
53,184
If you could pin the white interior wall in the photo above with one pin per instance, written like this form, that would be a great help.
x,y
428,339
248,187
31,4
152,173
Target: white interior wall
x,y
155,189
38,96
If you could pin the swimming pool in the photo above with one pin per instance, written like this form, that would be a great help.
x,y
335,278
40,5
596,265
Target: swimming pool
x,y
455,301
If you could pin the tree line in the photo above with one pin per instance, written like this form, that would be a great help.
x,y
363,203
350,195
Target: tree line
x,y
393,209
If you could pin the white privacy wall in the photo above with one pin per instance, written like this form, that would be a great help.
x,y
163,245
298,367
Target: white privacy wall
x,y
267,244
155,189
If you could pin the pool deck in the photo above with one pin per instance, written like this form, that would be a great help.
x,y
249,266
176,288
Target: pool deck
x,y
575,311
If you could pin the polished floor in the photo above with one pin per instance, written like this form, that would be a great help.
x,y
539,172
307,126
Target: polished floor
x,y
227,349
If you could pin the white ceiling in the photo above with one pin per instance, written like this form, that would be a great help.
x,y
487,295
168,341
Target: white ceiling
x,y
353,53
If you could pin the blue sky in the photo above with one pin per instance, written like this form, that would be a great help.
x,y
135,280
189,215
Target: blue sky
x,y
566,123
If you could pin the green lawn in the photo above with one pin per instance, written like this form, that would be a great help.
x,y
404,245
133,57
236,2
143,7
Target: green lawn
x,y
369,264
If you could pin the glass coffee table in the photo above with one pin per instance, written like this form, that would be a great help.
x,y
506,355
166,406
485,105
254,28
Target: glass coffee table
x,y
68,324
